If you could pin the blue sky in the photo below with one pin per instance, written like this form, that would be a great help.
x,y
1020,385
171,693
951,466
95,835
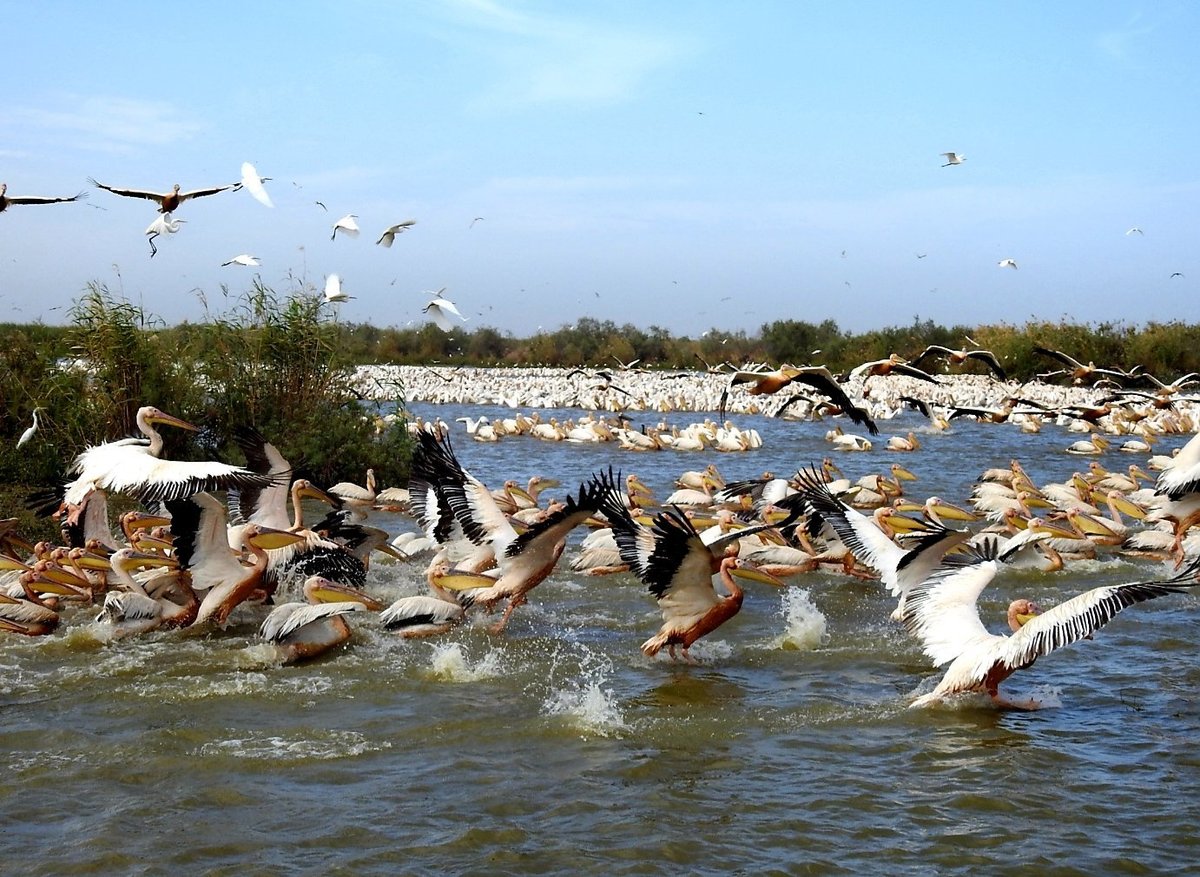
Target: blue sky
x,y
683,165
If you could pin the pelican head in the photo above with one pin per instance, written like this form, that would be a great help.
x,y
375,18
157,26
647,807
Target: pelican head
x,y
258,536
150,415
751,573
1020,612
318,589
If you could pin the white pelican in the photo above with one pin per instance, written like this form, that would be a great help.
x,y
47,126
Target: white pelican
x,y
303,631
164,600
30,430
389,233
942,613
423,615
164,224
29,614
953,158
253,184
168,202
7,200
438,309
815,376
347,225
523,560
1078,372
132,465
678,567
958,357
1183,475
244,259
899,569
894,364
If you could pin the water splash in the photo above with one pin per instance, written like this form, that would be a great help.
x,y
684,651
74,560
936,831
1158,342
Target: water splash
x,y
588,706
449,662
805,627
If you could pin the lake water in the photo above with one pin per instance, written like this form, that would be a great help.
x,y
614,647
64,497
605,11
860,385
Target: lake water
x,y
558,748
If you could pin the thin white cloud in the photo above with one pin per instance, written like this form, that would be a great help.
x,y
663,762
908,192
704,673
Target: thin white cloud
x,y
544,59
111,123
1120,43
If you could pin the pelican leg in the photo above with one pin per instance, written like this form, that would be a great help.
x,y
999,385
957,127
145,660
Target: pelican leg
x,y
513,603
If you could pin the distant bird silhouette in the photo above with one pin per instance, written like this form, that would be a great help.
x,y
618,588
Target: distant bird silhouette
x,y
347,225
1177,274
953,158
5,200
1135,230
389,233
1008,263
168,202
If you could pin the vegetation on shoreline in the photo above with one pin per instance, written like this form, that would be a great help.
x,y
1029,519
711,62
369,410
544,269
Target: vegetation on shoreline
x,y
276,363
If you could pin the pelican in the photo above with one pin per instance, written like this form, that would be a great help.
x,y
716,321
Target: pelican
x,y
894,364
303,631
168,202
438,309
347,225
28,615
164,600
333,290
953,158
1183,476
389,233
1097,444
958,357
245,260
358,498
253,184
30,430
677,567
899,569
6,200
817,377
133,466
943,614
1079,373
423,615
523,560
164,224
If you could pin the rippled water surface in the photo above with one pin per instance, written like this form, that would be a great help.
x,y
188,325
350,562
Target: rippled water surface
x,y
558,748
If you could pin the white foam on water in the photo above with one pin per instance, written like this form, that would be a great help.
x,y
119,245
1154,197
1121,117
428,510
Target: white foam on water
x,y
588,706
805,627
449,662
301,745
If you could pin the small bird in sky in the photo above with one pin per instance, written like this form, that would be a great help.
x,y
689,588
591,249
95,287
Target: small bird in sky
x,y
389,233
333,290
245,259
253,184
953,158
165,224
347,225
1008,263
1177,274
475,220
168,202
1135,230
5,200
439,307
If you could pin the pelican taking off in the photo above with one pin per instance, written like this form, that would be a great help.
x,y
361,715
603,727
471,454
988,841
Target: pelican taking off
x,y
942,614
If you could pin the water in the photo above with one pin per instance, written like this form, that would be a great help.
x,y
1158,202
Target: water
x,y
558,748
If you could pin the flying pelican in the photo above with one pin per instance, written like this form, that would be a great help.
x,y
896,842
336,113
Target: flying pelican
x,y
132,465
333,290
439,307
6,200
164,224
894,364
253,184
1008,263
818,377
167,202
943,614
953,158
677,566
523,559
958,357
245,260
1078,372
389,233
303,631
30,430
347,225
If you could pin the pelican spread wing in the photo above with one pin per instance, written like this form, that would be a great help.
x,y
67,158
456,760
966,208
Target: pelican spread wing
x,y
286,620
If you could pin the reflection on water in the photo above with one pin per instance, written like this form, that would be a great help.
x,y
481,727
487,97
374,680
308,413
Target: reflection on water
x,y
559,747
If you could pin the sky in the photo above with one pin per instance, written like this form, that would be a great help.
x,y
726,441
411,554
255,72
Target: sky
x,y
690,166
